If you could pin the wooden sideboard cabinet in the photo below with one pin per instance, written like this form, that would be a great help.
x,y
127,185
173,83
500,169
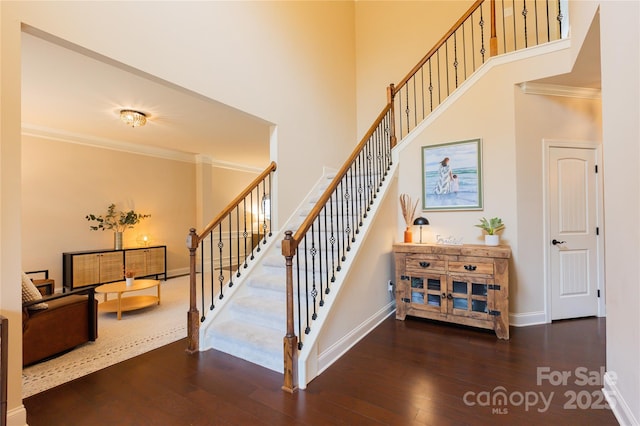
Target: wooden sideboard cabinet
x,y
96,267
466,284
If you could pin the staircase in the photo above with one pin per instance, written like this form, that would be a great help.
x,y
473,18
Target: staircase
x,y
251,325
290,292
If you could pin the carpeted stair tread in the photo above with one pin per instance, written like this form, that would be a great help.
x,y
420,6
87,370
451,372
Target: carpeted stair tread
x,y
265,311
252,342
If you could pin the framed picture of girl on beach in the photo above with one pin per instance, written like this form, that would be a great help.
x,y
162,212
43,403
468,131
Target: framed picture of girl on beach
x,y
452,176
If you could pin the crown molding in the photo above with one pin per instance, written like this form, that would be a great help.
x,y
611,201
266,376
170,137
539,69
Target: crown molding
x,y
131,148
114,145
558,90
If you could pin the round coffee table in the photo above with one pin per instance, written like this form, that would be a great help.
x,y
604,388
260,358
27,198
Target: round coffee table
x,y
130,303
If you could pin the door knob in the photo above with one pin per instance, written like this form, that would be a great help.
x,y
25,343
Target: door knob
x,y
556,242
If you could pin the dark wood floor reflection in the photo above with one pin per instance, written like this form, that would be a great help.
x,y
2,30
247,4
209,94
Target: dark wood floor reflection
x,y
412,372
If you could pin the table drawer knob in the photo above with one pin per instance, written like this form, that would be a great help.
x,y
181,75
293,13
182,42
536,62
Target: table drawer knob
x,y
425,264
470,267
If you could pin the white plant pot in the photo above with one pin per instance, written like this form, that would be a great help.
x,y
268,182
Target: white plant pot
x,y
129,281
492,240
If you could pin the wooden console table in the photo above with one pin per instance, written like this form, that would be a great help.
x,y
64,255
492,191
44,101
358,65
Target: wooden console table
x,y
95,267
466,284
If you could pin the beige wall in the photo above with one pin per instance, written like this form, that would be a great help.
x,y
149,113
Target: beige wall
x,y
488,110
391,38
57,195
228,183
540,117
275,60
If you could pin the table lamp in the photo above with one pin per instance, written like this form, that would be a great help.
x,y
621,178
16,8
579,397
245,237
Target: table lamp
x,y
421,221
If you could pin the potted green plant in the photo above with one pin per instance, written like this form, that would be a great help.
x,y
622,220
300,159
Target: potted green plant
x,y
115,220
491,226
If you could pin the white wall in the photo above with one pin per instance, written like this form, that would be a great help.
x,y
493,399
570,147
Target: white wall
x,y
620,50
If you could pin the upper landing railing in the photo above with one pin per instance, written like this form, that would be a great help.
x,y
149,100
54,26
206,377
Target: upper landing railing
x,y
488,28
316,252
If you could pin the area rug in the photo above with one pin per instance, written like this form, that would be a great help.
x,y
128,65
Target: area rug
x,y
136,333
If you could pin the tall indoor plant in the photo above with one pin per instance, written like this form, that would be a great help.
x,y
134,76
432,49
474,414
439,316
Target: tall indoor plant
x,y
115,220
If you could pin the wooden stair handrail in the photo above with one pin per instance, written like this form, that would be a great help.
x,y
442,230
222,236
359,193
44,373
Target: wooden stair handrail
x,y
326,195
439,44
232,205
193,242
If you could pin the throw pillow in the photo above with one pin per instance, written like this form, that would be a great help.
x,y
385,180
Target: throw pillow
x,y
30,293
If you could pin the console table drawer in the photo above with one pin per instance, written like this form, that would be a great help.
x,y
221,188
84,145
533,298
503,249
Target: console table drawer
x,y
481,268
420,264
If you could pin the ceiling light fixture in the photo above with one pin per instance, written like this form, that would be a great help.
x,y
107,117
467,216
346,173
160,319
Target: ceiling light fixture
x,y
133,118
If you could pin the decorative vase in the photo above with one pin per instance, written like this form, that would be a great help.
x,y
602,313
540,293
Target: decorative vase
x,y
492,240
129,281
117,240
408,235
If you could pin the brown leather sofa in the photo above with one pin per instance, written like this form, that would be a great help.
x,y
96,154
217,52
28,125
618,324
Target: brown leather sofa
x,y
69,320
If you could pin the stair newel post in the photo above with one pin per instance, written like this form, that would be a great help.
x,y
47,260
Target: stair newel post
x,y
290,341
493,43
193,317
392,126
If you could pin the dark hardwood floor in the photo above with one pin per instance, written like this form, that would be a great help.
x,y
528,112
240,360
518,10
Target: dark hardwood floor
x,y
412,372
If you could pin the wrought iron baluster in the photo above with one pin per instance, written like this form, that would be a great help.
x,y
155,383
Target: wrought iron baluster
x,y
245,233
230,266
270,207
263,208
422,90
515,37
299,299
202,274
306,286
252,231
212,270
345,200
406,86
342,229
221,273
237,209
473,42
482,49
560,18
535,13
326,251
332,238
439,83
464,50
399,97
446,61
415,102
430,87
548,23
455,57
524,15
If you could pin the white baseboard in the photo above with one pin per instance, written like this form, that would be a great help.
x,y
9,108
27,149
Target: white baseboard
x,y
618,405
17,416
339,348
527,319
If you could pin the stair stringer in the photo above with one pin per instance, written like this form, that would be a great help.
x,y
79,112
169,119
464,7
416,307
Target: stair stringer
x,y
313,358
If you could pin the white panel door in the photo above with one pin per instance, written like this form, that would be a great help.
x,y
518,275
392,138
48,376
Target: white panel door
x,y
572,228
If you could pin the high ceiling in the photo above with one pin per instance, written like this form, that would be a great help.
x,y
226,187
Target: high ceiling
x,y
77,95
